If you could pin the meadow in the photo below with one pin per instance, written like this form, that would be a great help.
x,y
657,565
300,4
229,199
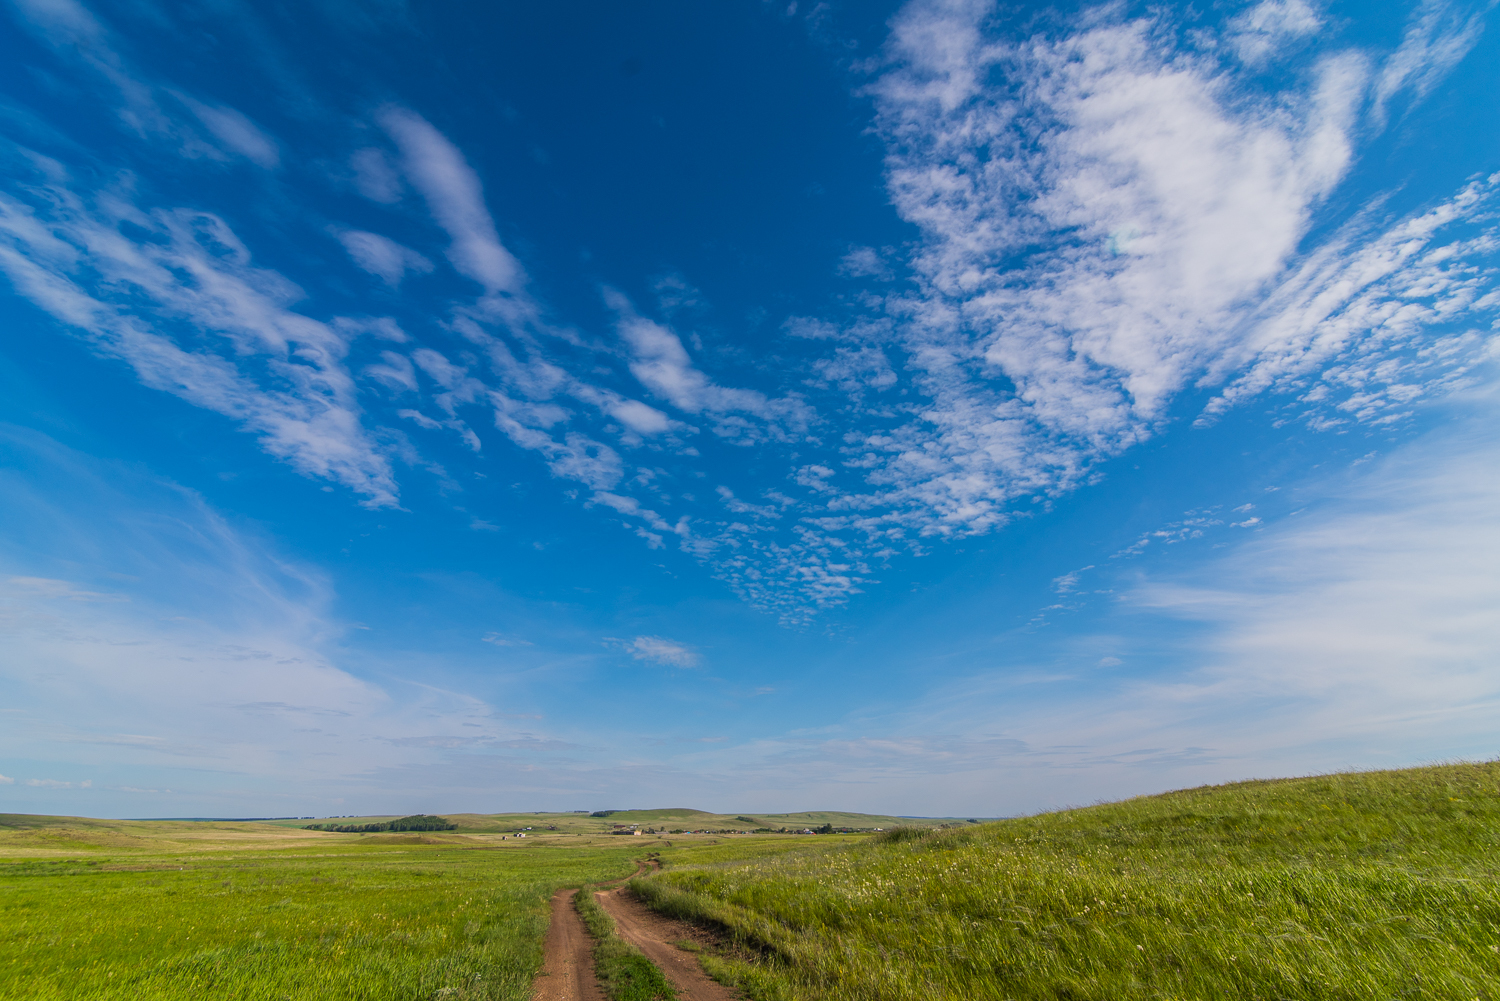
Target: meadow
x,y
1362,886
103,909
228,912
1377,885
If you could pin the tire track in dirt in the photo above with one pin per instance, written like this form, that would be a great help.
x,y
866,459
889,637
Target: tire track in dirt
x,y
568,969
654,934
568,955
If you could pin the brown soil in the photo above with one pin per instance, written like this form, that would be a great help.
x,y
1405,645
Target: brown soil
x,y
568,971
654,935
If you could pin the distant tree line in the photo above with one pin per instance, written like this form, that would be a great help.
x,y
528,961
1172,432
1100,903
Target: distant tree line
x,y
419,822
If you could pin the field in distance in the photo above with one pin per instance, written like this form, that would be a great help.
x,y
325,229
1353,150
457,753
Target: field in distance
x,y
681,819
167,910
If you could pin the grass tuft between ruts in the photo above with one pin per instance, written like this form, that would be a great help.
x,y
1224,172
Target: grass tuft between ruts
x,y
624,972
1338,888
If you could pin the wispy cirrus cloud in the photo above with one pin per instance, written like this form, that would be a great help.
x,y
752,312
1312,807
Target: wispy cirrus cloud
x,y
142,300
659,362
382,256
455,197
1110,219
1438,35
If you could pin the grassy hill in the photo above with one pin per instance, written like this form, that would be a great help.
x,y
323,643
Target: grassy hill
x,y
1352,886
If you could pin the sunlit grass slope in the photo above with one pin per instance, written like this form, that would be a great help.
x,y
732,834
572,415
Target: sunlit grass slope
x,y
383,917
1379,885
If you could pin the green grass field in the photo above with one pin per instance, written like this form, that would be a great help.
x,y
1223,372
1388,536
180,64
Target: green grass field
x,y
1363,886
380,919
178,909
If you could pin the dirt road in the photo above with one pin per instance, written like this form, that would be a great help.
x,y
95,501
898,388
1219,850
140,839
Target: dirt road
x,y
568,968
654,934
568,971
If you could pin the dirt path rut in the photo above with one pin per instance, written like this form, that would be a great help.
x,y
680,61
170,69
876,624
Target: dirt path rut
x,y
568,953
568,970
654,934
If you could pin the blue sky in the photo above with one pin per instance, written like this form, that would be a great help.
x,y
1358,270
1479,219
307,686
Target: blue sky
x,y
933,408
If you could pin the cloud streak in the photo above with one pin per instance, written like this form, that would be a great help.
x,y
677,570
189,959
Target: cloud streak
x,y
455,197
135,299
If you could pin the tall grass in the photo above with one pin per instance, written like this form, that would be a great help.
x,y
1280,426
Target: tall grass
x,y
1360,886
369,923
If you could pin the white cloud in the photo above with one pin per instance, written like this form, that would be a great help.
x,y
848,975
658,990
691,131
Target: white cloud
x,y
1438,35
6,780
236,131
638,416
866,262
454,195
383,257
1068,582
1256,34
500,639
662,651
281,374
1109,221
663,366
374,176
1349,327
1359,633
43,587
